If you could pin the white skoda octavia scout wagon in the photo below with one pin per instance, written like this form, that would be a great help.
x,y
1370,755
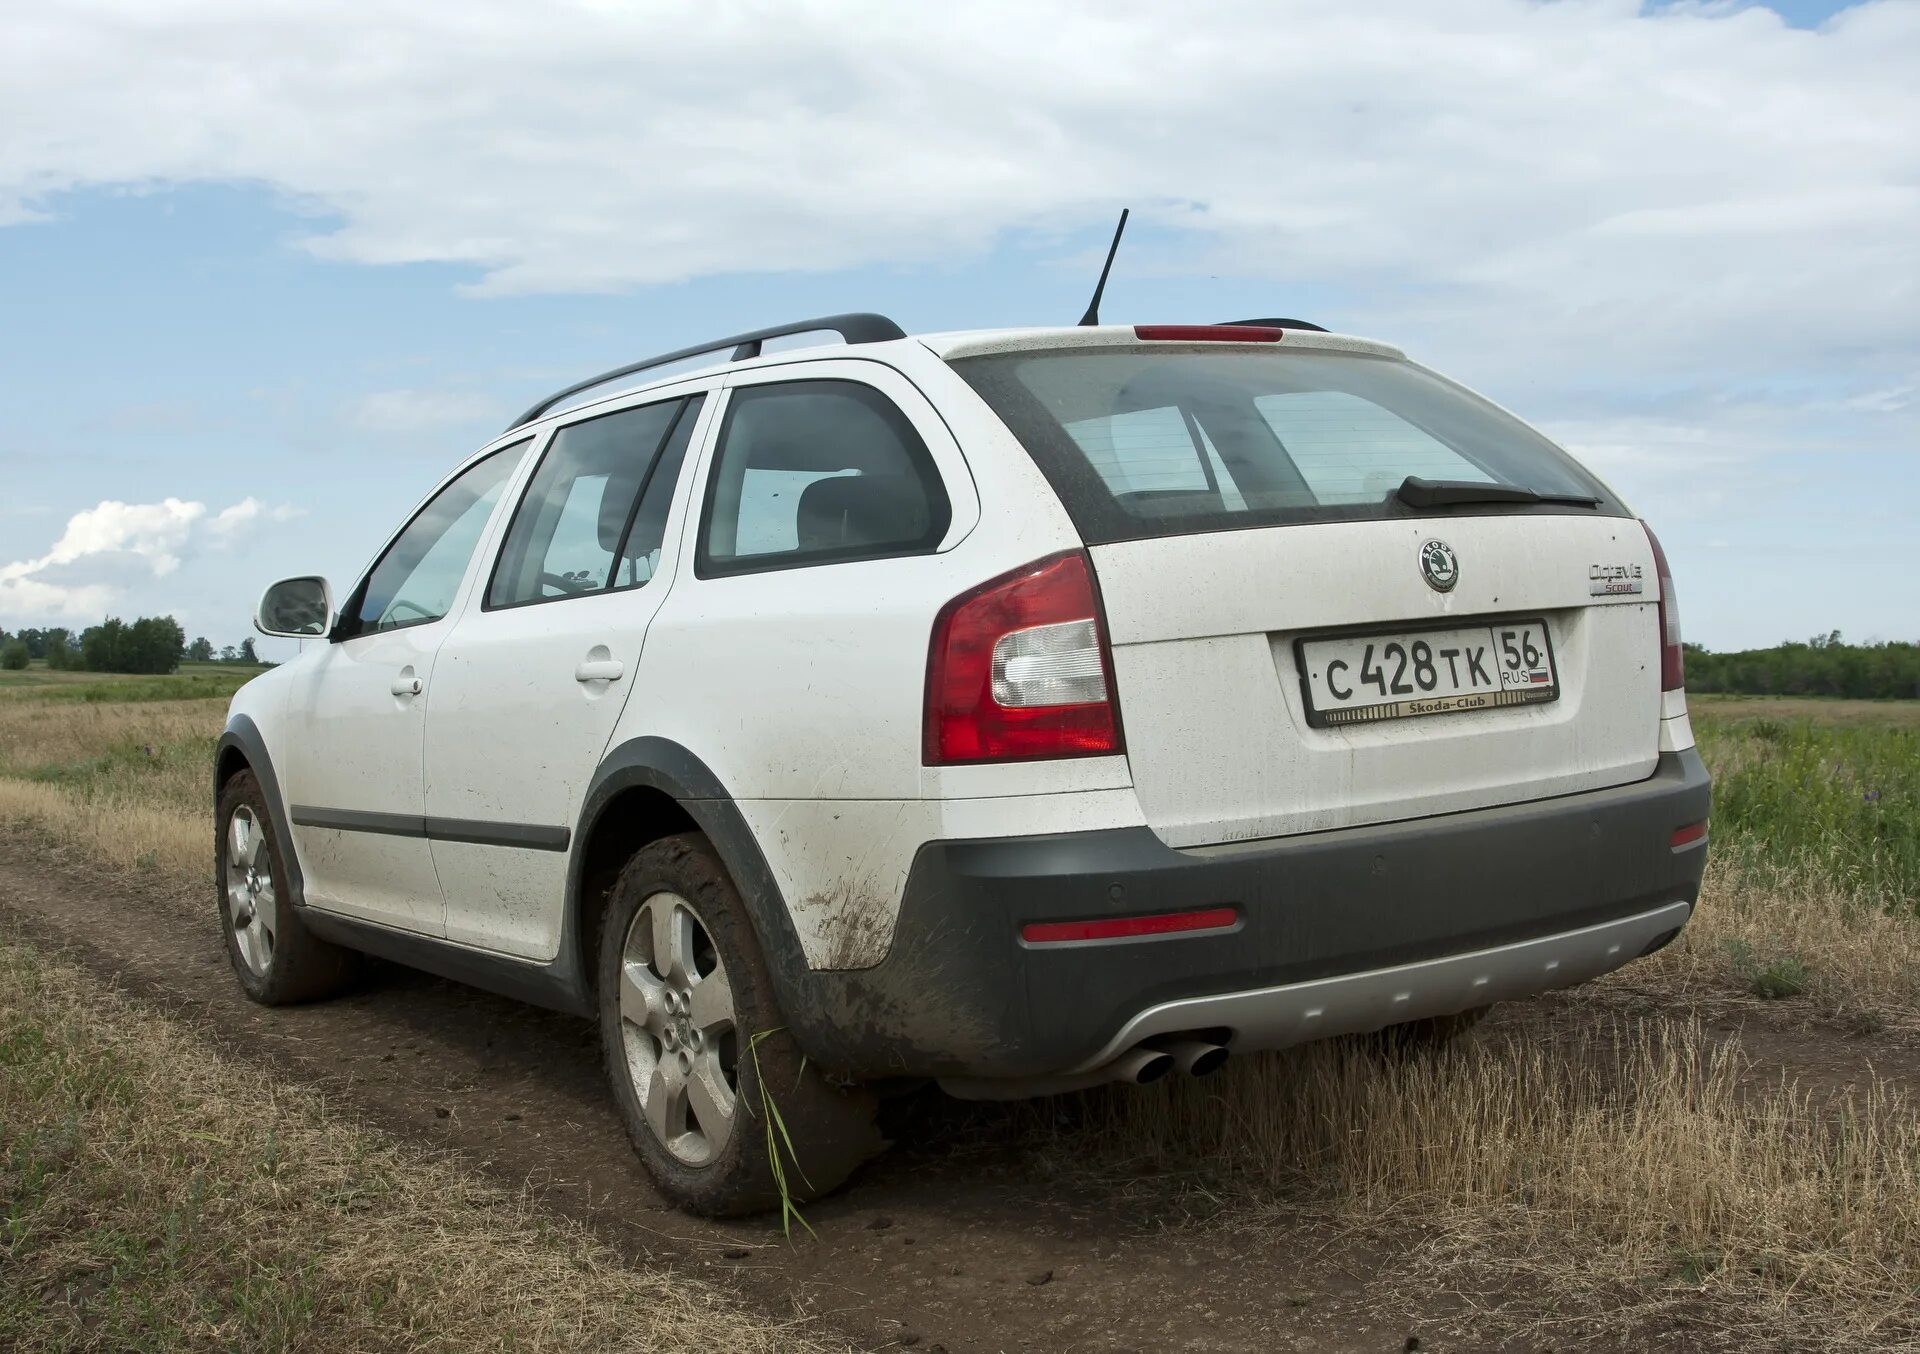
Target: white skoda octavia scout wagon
x,y
1016,710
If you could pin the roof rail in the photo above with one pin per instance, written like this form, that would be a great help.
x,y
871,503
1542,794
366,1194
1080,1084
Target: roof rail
x,y
859,327
1273,324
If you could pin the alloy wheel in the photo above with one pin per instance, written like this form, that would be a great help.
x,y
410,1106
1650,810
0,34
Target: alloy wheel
x,y
253,906
677,1029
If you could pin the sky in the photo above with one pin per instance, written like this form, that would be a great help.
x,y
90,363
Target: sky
x,y
268,272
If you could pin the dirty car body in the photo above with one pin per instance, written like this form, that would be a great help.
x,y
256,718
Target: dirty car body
x,y
1060,702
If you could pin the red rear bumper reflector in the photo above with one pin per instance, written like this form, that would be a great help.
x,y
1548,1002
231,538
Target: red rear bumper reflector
x,y
1119,928
1208,333
1688,835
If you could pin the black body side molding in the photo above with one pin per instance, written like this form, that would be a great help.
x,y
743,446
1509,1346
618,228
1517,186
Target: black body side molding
x,y
527,836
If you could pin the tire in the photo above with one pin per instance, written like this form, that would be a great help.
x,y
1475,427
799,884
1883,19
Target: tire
x,y
277,960
675,929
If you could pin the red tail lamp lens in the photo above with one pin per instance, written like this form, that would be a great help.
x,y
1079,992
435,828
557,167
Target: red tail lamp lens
x,y
1121,928
1689,834
1019,669
1673,666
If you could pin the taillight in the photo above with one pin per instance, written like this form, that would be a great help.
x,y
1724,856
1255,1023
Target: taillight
x,y
1686,836
1019,668
1673,667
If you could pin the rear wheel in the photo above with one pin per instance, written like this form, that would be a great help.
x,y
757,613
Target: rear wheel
x,y
277,960
696,1050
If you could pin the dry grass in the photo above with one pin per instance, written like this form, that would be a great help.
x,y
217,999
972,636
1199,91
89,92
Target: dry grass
x,y
1629,1156
132,784
1760,922
158,1196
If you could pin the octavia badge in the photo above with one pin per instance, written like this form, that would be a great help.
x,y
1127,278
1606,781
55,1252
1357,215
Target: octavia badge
x,y
1438,565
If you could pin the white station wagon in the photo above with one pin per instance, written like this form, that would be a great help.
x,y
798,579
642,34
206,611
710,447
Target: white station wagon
x,y
1017,710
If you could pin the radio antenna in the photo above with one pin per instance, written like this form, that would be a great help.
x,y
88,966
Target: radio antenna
x,y
1093,307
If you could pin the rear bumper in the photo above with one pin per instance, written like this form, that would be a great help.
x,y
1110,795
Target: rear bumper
x,y
1340,931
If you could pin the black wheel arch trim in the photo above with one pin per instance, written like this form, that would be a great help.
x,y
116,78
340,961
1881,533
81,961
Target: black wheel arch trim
x,y
242,735
656,763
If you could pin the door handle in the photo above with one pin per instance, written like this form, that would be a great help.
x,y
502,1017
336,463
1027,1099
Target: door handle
x,y
599,670
406,684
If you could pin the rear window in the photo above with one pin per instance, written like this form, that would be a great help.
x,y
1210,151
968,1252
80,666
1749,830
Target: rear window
x,y
1164,441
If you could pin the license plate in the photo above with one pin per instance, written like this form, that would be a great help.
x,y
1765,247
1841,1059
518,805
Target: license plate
x,y
1359,678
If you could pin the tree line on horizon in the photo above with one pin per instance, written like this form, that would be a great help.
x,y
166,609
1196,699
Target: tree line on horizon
x,y
1822,666
149,645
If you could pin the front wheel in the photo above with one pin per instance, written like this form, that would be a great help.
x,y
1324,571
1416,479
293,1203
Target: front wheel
x,y
696,1049
276,958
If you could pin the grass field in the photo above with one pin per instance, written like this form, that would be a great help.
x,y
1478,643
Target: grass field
x,y
159,1197
193,681
1635,1152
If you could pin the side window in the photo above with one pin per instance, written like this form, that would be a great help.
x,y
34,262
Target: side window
x,y
417,579
811,472
640,555
571,530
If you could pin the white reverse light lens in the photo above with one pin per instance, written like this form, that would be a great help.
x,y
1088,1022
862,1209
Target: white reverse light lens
x,y
1049,665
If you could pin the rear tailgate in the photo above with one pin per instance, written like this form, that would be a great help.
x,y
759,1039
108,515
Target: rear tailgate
x,y
1205,628
1340,589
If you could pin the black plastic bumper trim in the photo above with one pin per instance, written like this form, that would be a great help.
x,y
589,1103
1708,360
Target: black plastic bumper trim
x,y
959,995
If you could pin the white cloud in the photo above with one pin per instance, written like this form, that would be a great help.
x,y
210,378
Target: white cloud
x,y
113,545
1687,240
1701,179
412,411
229,524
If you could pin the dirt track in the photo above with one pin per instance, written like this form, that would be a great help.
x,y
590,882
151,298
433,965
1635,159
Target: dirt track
x,y
956,1240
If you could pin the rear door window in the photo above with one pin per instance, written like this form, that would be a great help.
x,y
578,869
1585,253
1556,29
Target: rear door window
x,y
816,472
593,511
1143,442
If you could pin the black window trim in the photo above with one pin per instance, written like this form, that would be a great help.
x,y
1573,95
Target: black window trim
x,y
706,567
346,623
690,404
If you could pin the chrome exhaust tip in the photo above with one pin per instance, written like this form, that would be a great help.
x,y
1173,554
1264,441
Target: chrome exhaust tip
x,y
1140,1066
1195,1057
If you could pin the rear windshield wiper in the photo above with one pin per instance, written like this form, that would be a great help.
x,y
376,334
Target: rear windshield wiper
x,y
1418,493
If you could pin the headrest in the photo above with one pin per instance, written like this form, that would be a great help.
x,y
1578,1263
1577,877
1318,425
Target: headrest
x,y
861,510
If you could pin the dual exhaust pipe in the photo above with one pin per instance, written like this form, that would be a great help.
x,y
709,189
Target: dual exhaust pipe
x,y
1152,1061
1140,1065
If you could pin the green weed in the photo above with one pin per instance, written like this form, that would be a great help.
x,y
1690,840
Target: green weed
x,y
1846,797
777,1137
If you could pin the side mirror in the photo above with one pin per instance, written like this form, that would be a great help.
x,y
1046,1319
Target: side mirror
x,y
295,608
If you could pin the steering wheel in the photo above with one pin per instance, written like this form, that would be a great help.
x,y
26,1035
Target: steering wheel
x,y
393,609
571,587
